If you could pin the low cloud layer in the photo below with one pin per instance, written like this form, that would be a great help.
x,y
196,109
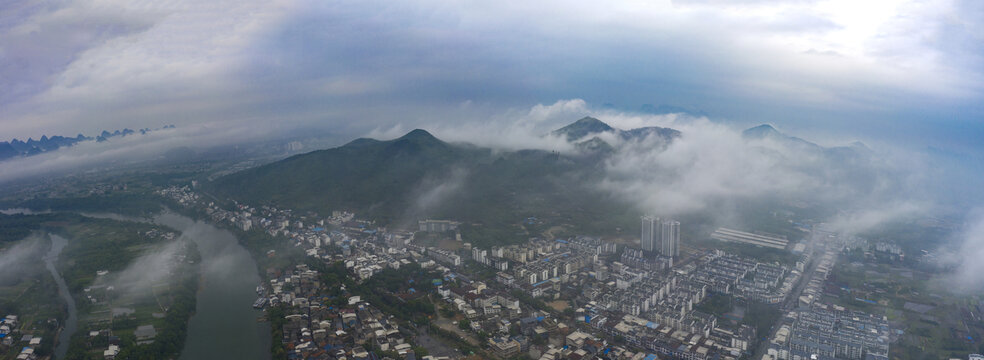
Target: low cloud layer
x,y
712,167
16,260
153,268
132,149
964,256
713,164
88,65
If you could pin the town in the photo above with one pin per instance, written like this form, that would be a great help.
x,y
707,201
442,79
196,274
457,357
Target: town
x,y
573,298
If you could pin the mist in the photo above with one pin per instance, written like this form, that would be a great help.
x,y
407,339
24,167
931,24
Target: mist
x,y
712,168
134,149
153,268
963,256
18,260
434,191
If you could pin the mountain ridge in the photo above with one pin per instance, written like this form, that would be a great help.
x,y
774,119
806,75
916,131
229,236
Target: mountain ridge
x,y
585,131
15,147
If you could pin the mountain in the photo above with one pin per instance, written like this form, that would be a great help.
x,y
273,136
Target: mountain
x,y
853,151
360,175
583,127
584,134
30,147
418,176
669,109
665,134
766,131
761,131
7,151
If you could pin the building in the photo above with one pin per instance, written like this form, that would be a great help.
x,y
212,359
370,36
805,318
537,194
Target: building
x,y
504,347
729,235
444,256
649,232
670,238
662,236
437,225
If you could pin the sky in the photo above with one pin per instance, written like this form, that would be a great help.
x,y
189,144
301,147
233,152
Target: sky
x,y
906,77
904,71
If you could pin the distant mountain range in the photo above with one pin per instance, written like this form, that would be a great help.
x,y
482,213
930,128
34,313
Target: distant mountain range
x,y
589,127
586,134
15,147
855,150
419,176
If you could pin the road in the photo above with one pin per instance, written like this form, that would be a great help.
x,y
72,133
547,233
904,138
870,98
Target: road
x,y
792,300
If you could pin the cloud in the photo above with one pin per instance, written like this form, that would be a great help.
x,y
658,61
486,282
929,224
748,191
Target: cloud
x,y
16,260
150,269
433,192
354,65
860,220
135,149
712,167
513,129
965,260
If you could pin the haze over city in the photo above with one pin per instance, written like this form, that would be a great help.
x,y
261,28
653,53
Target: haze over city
x,y
660,179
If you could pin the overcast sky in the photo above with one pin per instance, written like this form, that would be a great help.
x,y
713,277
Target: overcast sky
x,y
909,71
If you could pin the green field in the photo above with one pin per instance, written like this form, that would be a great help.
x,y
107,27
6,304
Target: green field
x,y
938,323
28,291
151,279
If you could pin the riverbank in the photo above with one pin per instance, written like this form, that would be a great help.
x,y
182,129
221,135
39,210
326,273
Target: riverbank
x,y
224,325
65,332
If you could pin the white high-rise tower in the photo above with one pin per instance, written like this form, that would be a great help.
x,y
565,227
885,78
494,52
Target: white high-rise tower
x,y
650,233
670,238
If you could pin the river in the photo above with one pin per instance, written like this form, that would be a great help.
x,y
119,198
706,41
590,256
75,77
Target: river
x,y
21,211
224,325
57,244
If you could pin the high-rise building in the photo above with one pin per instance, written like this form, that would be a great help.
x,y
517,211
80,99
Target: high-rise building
x,y
669,238
650,233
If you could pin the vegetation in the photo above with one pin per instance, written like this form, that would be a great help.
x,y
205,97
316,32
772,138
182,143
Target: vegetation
x,y
388,180
28,291
103,244
761,316
716,304
381,290
100,244
120,203
758,315
528,300
276,315
16,227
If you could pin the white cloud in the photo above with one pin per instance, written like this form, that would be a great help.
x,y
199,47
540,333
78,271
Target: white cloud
x,y
16,259
150,269
362,64
965,257
130,149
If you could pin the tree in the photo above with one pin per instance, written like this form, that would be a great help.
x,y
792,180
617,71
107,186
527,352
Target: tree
x,y
514,329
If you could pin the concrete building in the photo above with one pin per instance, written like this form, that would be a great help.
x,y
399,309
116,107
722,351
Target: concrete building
x,y
662,236
649,232
729,235
669,238
437,225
